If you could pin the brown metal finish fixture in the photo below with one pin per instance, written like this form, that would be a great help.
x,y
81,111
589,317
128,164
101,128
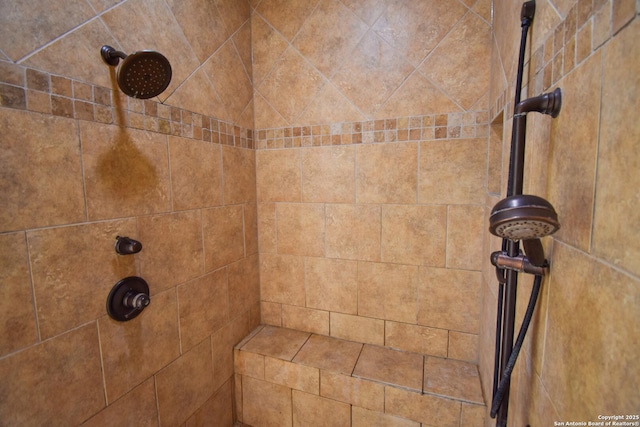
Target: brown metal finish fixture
x,y
142,74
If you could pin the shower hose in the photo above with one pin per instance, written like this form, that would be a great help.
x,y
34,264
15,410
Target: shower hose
x,y
508,370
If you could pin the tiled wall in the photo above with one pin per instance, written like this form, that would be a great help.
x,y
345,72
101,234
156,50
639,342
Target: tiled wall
x,y
577,362
81,164
371,169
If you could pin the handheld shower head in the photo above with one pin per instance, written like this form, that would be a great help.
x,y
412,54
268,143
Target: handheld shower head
x,y
523,217
142,74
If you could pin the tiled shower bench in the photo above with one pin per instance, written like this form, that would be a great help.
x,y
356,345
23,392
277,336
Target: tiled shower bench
x,y
286,377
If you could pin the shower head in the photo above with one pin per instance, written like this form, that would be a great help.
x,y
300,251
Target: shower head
x,y
523,217
142,74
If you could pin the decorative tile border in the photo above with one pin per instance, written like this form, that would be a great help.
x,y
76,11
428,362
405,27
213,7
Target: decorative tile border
x,y
416,128
28,89
588,25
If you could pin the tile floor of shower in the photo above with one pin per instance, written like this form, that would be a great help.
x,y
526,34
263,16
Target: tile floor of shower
x,y
286,377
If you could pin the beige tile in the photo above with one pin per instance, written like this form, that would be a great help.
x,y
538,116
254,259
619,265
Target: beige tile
x,y
244,284
331,106
572,164
265,404
195,162
291,84
465,48
416,339
328,353
414,29
355,391
172,249
235,14
465,229
403,102
233,88
218,409
353,232
278,175
398,368
473,415
239,167
361,417
430,410
286,16
223,233
282,279
202,24
271,313
371,73
243,39
388,291
305,319
147,343
267,46
586,311
618,158
357,328
300,229
463,346
280,343
222,343
138,407
60,281
56,382
462,161
329,35
327,174
267,228
414,235
197,93
310,410
27,26
293,375
250,214
185,385
449,299
331,284
203,307
126,171
387,173
452,378
248,364
17,312
623,11
38,149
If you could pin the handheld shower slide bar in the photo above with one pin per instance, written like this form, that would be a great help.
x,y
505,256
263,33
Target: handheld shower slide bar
x,y
518,217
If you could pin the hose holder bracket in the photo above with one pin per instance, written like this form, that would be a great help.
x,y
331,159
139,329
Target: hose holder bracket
x,y
502,261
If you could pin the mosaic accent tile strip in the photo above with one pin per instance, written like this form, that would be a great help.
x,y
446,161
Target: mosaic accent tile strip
x,y
588,25
32,90
415,128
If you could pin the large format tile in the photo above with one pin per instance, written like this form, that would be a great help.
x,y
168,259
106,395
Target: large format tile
x,y
57,382
77,284
452,378
37,149
185,385
329,353
397,368
280,343
617,197
17,313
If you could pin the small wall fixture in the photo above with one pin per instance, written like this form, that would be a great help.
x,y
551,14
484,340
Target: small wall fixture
x,y
143,74
128,298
